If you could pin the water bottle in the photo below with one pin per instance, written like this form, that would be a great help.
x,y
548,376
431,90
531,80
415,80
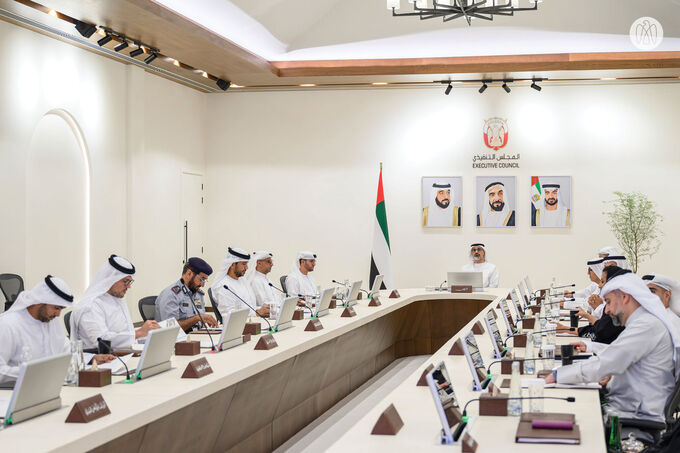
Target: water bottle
x,y
614,445
74,367
515,405
529,365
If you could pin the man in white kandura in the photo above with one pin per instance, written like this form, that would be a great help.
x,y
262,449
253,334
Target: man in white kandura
x,y
31,329
496,212
440,211
553,212
103,312
608,250
265,292
231,289
668,291
479,264
582,296
616,260
299,281
642,361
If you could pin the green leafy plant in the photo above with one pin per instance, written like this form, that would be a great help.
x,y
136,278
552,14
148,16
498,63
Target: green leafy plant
x,y
636,225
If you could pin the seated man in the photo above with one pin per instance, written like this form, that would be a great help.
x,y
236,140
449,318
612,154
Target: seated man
x,y
617,260
299,282
642,361
668,291
594,272
183,300
103,312
231,289
608,250
263,287
479,264
31,328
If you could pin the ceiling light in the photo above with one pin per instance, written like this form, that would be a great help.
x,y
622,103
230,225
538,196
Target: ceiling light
x,y
53,13
608,78
176,62
106,39
307,84
484,87
379,83
223,84
534,86
150,58
506,87
448,89
466,9
136,52
85,30
121,46
233,85
204,74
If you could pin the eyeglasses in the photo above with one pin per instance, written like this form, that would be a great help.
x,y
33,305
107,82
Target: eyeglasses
x,y
203,279
128,282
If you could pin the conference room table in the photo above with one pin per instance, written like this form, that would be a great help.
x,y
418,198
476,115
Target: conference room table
x,y
255,400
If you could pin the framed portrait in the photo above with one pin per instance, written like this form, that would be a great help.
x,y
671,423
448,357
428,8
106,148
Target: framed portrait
x,y
551,202
442,197
495,201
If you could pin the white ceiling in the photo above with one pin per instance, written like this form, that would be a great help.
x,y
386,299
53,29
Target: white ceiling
x,y
356,29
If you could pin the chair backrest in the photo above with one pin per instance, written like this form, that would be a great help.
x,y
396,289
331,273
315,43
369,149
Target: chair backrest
x,y
218,315
67,322
283,283
11,285
147,307
673,404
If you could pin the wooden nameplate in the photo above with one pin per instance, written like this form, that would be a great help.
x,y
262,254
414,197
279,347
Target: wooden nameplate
x,y
266,342
495,405
506,366
394,294
313,325
197,369
422,382
94,378
535,310
348,312
360,295
528,323
519,341
187,348
246,338
375,302
84,411
469,444
505,384
453,415
298,315
252,328
457,348
478,328
389,423
333,304
461,289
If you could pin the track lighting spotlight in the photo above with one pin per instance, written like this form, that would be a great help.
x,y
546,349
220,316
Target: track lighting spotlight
x,y
223,84
121,46
534,86
85,30
484,87
506,87
137,51
448,89
150,58
106,39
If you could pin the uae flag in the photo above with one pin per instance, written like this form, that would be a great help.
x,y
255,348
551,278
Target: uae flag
x,y
381,257
536,192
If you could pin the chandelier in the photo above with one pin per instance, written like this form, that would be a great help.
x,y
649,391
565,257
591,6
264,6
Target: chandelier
x,y
468,9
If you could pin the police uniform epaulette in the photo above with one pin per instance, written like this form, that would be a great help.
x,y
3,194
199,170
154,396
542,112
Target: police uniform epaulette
x,y
176,289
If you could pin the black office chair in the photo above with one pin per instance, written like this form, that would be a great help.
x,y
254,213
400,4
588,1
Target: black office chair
x,y
218,315
651,431
11,285
147,307
283,283
67,322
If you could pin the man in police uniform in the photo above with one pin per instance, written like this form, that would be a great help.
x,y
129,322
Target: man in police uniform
x,y
183,300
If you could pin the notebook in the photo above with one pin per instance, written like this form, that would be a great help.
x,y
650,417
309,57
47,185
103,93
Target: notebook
x,y
526,434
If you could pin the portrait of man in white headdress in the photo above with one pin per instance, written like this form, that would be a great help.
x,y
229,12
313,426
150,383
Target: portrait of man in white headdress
x,y
495,201
441,201
550,201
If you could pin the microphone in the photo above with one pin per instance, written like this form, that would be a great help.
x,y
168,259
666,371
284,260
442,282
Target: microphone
x,y
554,287
302,297
488,369
207,329
464,421
571,329
239,297
106,345
440,286
339,283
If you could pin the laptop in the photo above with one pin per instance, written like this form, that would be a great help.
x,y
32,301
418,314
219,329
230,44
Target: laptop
x,y
159,346
474,279
37,389
353,293
232,329
439,382
284,320
375,289
324,302
474,360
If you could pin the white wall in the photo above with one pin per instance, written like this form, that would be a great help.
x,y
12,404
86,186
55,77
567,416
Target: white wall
x,y
298,170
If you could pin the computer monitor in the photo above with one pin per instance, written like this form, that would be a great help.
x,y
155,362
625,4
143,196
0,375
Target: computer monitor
x,y
529,287
375,289
474,279
159,346
505,311
284,320
353,293
37,389
232,329
475,361
516,304
494,333
525,299
439,382
324,302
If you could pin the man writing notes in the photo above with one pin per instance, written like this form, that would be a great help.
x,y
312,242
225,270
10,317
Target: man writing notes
x,y
259,281
668,291
479,264
553,213
231,289
183,300
103,312
440,212
299,281
31,328
642,361
496,213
